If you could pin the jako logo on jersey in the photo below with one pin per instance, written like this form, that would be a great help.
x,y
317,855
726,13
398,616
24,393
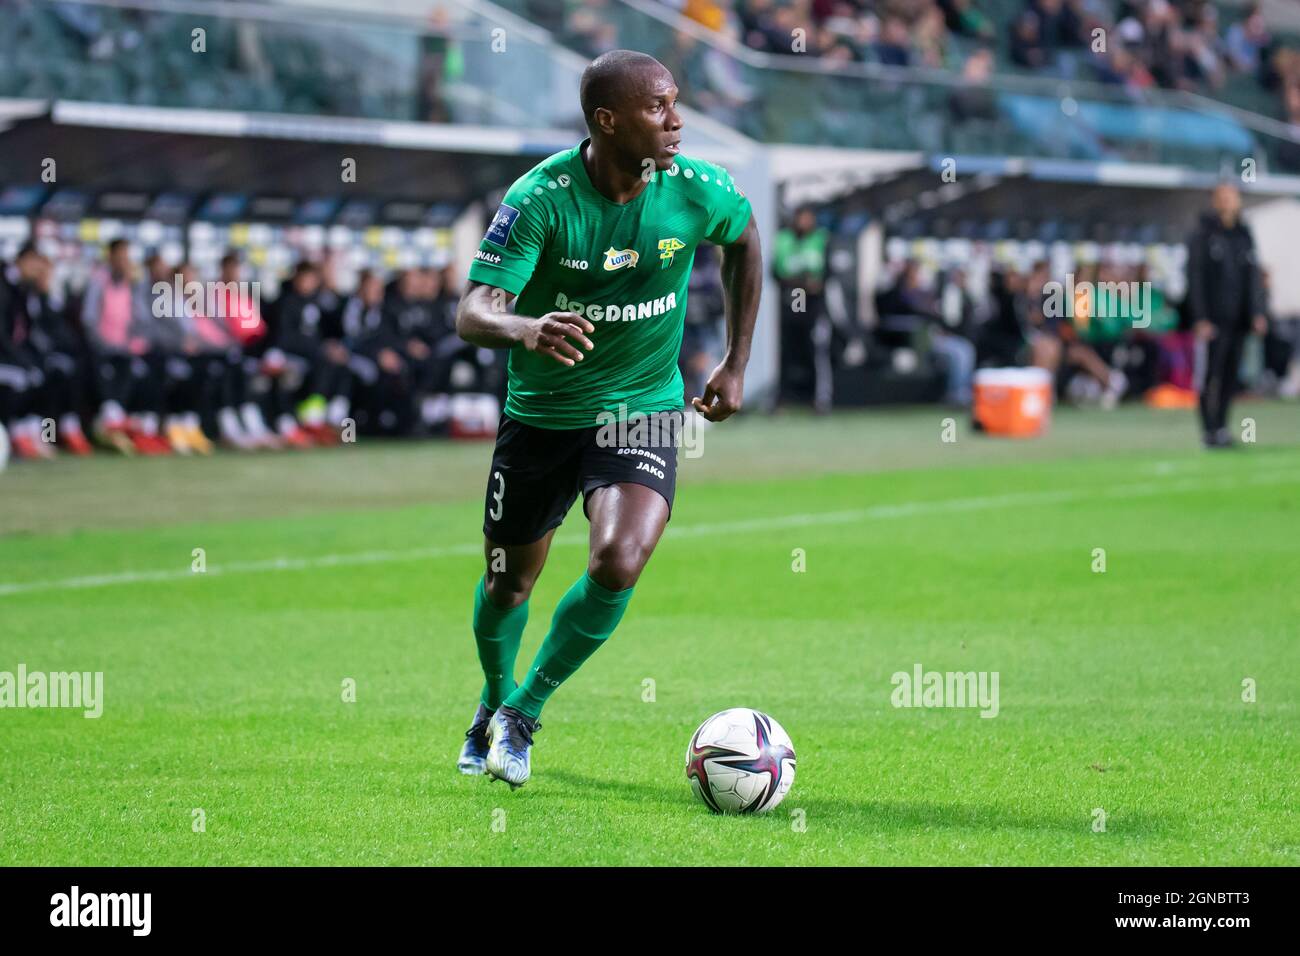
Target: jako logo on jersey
x,y
502,223
618,313
666,249
491,258
574,263
618,258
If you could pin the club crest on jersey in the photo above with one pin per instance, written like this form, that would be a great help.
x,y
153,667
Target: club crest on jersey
x,y
618,258
499,231
666,249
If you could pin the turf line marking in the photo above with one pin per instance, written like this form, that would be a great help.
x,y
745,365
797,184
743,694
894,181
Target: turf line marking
x,y
242,567
940,506
876,512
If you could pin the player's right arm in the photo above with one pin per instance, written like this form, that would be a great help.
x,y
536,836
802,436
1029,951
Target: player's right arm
x,y
509,253
484,318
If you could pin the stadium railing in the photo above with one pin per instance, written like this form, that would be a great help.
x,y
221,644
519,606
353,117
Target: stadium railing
x,y
324,59
349,60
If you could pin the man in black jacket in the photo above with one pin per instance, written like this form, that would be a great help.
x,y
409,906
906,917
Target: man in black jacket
x,y
19,378
308,360
380,362
1224,299
38,340
61,354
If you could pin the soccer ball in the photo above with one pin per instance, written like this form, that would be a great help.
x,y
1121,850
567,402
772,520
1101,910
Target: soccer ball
x,y
740,761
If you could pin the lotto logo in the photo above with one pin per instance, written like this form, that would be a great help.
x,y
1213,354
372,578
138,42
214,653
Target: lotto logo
x,y
618,258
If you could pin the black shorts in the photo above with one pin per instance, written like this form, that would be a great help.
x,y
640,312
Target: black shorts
x,y
537,473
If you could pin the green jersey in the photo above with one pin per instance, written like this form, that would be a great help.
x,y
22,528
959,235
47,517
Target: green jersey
x,y
796,256
562,246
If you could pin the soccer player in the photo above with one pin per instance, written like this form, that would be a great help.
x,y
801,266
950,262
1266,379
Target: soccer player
x,y
594,248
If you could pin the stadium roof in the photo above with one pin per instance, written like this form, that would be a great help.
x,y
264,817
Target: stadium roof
x,y
155,149
911,194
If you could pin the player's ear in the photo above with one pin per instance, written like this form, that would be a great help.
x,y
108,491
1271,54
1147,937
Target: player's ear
x,y
605,120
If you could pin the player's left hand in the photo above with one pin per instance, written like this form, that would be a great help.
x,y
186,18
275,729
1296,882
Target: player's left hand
x,y
723,394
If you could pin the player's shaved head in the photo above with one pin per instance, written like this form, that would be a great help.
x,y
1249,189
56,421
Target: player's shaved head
x,y
615,78
629,100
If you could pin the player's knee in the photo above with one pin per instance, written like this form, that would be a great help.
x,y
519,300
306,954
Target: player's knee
x,y
616,565
507,590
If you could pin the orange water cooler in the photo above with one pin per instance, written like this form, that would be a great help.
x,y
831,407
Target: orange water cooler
x,y
1016,402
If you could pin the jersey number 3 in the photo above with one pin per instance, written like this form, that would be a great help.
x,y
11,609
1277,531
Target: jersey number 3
x,y
498,509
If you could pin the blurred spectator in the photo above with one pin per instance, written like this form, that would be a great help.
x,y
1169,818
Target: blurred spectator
x,y
240,420
908,298
1247,41
383,360
1056,344
894,47
1004,338
707,13
954,337
1281,356
116,318
799,265
42,368
590,29
1059,25
1122,68
61,352
964,18
1289,153
177,364
709,79
701,338
440,64
930,39
173,331
307,363
1027,47
972,99
241,307
1174,44
224,370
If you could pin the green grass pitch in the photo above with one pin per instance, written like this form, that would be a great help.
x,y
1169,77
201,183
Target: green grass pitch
x,y
1121,693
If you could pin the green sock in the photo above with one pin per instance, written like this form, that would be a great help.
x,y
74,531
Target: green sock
x,y
497,631
584,618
